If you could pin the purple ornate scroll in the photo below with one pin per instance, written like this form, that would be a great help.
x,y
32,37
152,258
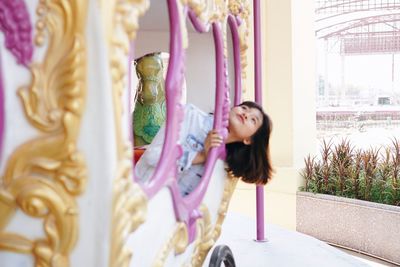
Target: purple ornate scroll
x,y
186,208
221,113
16,27
166,168
198,26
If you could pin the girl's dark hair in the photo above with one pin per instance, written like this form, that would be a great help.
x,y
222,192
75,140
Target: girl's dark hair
x,y
252,162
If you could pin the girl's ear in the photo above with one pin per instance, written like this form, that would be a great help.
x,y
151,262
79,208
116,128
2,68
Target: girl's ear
x,y
247,141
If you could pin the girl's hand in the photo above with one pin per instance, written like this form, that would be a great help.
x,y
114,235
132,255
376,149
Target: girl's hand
x,y
213,139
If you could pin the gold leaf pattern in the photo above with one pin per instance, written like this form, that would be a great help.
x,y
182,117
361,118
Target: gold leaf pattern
x,y
208,11
43,175
178,241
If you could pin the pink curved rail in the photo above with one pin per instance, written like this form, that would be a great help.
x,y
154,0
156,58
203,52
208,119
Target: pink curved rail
x,y
186,208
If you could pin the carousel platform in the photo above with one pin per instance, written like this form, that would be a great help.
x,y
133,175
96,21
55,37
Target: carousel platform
x,y
284,248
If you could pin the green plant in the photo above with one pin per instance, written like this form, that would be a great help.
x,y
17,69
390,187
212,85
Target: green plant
x,y
354,175
369,166
395,194
326,167
308,172
343,171
341,160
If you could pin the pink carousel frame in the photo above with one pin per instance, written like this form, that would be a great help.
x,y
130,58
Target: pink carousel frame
x,y
187,208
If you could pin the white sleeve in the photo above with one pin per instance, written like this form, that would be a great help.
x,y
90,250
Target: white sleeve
x,y
191,122
185,161
190,125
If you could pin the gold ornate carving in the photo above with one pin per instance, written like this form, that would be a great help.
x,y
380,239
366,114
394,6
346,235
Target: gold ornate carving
x,y
208,235
211,11
204,233
208,11
178,241
129,212
41,23
129,202
43,175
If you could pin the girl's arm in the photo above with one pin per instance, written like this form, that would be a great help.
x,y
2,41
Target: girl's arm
x,y
213,139
200,158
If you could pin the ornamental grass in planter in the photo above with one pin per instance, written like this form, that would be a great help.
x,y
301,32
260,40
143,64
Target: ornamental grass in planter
x,y
371,175
342,186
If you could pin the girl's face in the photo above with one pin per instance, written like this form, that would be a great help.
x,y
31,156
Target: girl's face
x,y
243,124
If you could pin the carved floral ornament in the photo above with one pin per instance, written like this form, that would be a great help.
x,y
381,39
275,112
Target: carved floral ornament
x,y
44,175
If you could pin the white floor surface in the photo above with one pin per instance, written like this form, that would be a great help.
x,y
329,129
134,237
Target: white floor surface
x,y
284,248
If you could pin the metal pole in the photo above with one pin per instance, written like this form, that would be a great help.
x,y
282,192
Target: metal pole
x,y
2,108
258,98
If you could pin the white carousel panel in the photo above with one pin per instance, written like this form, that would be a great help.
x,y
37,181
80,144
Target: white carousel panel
x,y
26,226
215,190
17,128
153,241
97,143
146,242
179,260
9,259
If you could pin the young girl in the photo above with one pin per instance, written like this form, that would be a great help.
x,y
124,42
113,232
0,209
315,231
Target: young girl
x,y
247,146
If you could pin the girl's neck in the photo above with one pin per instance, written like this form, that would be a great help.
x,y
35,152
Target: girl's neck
x,y
230,139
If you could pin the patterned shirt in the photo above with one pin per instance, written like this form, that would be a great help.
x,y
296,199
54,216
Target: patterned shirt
x,y
194,129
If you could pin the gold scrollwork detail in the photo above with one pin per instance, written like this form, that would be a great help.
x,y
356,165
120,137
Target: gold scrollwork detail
x,y
43,175
208,235
129,209
208,11
211,11
41,11
178,242
129,202
204,232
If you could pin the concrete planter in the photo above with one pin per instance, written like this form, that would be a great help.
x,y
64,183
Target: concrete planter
x,y
367,227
